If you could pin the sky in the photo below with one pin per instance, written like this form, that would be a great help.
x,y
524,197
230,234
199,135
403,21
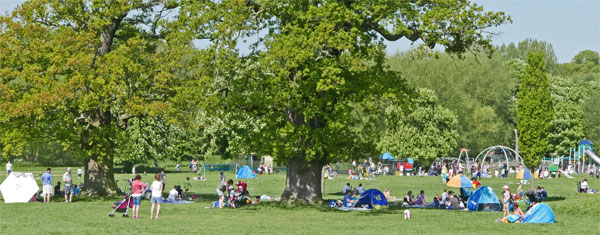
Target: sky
x,y
570,26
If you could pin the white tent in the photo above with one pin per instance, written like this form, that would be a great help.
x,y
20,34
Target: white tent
x,y
18,187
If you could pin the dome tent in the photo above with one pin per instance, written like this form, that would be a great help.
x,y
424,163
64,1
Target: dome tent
x,y
539,213
245,173
372,198
484,199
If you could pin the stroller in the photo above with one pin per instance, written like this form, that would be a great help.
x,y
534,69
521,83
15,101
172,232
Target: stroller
x,y
122,206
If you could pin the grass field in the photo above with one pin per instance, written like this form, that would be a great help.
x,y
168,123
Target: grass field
x,y
575,213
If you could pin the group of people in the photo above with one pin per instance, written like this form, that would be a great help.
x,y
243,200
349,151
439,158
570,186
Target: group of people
x,y
230,196
69,189
351,194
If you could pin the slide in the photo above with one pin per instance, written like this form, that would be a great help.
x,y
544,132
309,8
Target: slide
x,y
565,174
592,156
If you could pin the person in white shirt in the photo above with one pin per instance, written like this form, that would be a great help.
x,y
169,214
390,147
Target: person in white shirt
x,y
173,194
346,188
8,168
156,199
68,182
360,189
79,172
584,186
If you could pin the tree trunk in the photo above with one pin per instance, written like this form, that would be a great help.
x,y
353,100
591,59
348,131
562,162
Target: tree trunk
x,y
303,182
99,178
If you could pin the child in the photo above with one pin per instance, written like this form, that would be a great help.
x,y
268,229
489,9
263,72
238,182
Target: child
x,y
187,186
173,194
257,200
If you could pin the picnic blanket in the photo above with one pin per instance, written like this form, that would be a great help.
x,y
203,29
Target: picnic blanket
x,y
176,202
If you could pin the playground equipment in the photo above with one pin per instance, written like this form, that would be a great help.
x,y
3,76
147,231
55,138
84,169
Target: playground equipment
x,y
466,153
592,156
582,147
510,155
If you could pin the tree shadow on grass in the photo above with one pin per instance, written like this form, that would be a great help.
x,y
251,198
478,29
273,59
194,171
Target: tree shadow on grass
x,y
551,199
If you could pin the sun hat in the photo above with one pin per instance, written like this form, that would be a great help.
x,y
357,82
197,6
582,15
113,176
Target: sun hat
x,y
505,187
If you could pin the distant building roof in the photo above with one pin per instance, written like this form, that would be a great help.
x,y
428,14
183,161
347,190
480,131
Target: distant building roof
x,y
586,141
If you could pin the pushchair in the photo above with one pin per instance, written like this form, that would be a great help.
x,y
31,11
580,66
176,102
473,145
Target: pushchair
x,y
122,206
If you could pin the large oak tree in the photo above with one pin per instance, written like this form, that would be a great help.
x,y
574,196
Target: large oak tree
x,y
76,71
311,68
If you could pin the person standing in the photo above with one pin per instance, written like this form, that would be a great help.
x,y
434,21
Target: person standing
x,y
79,172
47,185
137,187
506,200
163,177
222,180
221,193
8,168
156,200
68,182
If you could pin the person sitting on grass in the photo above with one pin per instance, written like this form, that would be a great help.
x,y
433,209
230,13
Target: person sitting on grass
x,y
516,216
57,190
348,202
173,194
408,199
452,202
583,188
420,199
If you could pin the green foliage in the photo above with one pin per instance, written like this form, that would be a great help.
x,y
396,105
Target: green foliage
x,y
521,50
312,66
426,132
153,138
479,90
534,110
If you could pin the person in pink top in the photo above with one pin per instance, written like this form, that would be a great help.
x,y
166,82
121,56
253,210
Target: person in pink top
x,y
137,187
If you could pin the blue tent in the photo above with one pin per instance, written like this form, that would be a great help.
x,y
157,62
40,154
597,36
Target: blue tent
x,y
387,156
484,199
411,161
372,198
245,173
540,213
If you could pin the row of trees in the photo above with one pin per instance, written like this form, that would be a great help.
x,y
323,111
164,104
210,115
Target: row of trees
x,y
482,92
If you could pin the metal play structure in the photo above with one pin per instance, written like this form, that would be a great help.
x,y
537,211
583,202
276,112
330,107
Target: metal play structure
x,y
509,154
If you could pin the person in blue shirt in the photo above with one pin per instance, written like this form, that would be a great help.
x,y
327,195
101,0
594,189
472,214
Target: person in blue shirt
x,y
348,202
47,185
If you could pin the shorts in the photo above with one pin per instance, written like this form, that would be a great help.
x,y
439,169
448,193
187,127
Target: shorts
x,y
220,193
8,172
157,200
47,189
68,189
79,175
137,200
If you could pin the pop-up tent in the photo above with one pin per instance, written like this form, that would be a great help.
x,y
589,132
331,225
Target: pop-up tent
x,y
539,213
459,181
484,199
372,198
18,187
245,173
524,174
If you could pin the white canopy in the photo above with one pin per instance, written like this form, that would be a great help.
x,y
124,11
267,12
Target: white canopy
x,y
18,187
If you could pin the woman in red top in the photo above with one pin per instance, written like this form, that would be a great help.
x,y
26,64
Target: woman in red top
x,y
136,192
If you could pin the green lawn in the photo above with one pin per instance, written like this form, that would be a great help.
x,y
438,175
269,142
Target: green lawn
x,y
575,213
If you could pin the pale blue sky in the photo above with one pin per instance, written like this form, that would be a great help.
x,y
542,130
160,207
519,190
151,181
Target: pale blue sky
x,y
569,25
